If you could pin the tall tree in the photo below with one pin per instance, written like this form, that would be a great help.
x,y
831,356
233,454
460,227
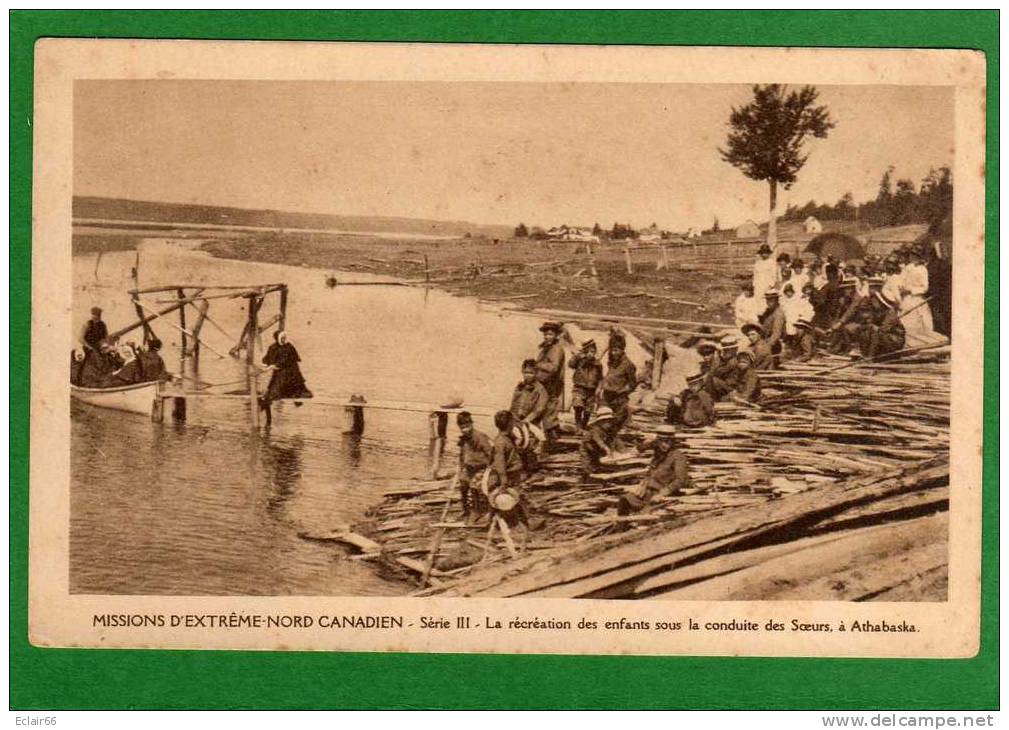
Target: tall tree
x,y
767,138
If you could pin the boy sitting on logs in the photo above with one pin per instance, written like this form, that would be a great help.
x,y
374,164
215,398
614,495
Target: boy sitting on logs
x,y
668,474
597,440
763,359
694,407
474,457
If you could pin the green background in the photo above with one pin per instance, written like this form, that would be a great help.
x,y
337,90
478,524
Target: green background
x,y
73,678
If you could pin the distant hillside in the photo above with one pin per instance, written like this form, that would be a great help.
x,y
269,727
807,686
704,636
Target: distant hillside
x,y
143,210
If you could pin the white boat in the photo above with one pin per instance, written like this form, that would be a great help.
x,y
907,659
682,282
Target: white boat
x,y
136,398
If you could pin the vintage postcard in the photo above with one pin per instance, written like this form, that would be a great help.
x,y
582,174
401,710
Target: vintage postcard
x,y
531,349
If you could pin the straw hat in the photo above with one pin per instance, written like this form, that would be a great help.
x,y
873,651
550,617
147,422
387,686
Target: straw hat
x,y
605,413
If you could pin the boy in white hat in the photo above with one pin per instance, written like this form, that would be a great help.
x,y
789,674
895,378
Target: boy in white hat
x,y
597,441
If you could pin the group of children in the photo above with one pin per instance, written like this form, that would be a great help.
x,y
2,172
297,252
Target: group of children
x,y
491,472
868,309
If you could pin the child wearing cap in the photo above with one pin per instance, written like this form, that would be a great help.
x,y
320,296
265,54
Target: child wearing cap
x,y
693,407
884,333
550,373
619,382
597,441
722,377
747,381
763,358
668,473
587,376
475,450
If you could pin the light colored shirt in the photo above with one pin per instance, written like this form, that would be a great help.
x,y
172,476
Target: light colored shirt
x,y
747,310
765,276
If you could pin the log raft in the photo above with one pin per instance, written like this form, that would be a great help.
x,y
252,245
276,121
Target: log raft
x,y
837,487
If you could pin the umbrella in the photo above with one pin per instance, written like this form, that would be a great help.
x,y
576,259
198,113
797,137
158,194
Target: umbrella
x,y
839,245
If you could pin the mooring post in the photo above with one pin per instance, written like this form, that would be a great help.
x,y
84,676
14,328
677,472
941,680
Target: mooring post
x,y
592,260
202,309
182,323
438,424
658,353
282,322
250,361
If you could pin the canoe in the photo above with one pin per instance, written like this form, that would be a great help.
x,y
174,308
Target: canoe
x,y
137,398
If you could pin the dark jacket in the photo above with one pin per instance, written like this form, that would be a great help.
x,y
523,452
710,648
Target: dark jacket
x,y
475,450
529,401
588,371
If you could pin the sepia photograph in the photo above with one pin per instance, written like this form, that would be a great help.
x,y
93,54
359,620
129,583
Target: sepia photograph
x,y
450,337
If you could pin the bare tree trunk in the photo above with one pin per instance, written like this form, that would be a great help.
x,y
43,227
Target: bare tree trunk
x,y
772,221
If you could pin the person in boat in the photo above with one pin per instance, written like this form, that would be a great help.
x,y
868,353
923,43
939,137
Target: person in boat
x,y
474,457
529,400
129,373
885,334
693,407
587,376
763,359
747,383
619,382
286,380
152,363
668,474
550,373
95,331
77,358
597,441
97,365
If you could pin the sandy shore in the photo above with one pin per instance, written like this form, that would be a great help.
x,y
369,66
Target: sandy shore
x,y
526,274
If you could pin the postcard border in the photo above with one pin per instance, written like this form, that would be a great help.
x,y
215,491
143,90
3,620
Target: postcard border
x,y
107,679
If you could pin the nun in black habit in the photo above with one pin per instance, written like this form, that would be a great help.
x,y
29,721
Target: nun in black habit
x,y
286,380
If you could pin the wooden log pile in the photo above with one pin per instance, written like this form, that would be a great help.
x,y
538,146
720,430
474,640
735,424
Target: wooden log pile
x,y
825,457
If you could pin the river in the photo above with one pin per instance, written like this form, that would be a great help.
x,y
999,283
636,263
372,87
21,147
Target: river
x,y
209,508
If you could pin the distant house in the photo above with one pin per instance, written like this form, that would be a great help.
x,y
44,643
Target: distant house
x,y
748,230
812,225
693,232
571,233
652,234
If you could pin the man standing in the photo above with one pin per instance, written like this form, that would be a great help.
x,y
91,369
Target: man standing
x,y
620,381
550,373
765,272
94,331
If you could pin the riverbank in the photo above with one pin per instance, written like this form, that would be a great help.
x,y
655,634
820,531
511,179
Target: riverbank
x,y
525,274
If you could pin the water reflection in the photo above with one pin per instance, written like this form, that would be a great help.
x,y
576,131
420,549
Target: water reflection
x,y
207,507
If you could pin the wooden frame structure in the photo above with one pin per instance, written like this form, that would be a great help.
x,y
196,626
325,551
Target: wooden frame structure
x,y
179,297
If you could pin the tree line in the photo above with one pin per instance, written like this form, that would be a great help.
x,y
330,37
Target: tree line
x,y
896,204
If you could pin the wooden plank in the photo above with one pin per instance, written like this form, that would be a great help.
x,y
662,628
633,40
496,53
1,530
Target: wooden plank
x,y
817,503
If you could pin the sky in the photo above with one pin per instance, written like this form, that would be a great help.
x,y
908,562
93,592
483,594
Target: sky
x,y
542,154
